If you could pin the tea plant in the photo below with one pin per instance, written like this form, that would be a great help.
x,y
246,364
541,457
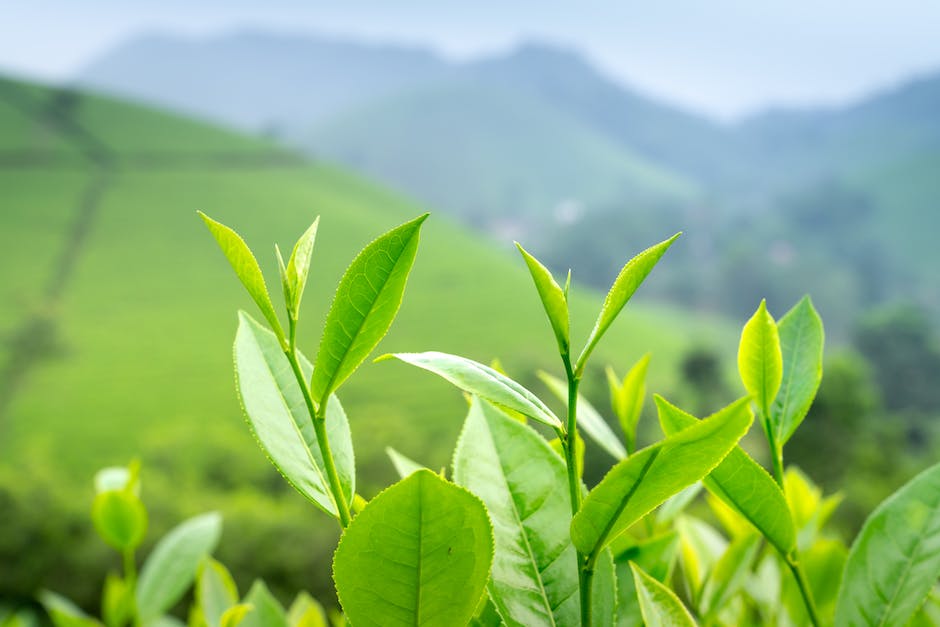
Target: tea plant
x,y
516,537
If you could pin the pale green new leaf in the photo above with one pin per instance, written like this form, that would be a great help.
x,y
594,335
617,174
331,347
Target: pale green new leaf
x,y
659,605
404,466
172,565
626,283
641,482
299,266
119,518
760,361
117,601
741,483
729,575
627,398
895,558
266,611
801,343
280,420
656,556
475,378
215,592
235,615
246,268
589,419
306,611
418,554
63,612
521,481
366,302
553,299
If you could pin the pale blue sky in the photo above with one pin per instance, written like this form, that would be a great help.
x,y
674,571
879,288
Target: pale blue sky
x,y
723,57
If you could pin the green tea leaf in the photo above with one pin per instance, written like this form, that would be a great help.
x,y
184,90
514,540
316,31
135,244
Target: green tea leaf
x,y
741,483
172,565
63,612
760,361
280,420
119,518
404,466
306,611
215,591
801,343
895,558
589,419
299,266
117,601
235,615
627,398
729,574
246,268
266,611
365,304
641,482
418,554
659,605
553,299
482,381
486,614
626,283
700,548
656,556
522,483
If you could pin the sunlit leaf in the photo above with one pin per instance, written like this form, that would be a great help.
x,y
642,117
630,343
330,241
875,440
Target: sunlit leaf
x,y
627,398
215,591
553,299
418,554
299,266
660,605
801,343
366,302
760,361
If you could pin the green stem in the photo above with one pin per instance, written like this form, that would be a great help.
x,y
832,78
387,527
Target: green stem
x,y
776,451
130,580
318,416
574,483
805,590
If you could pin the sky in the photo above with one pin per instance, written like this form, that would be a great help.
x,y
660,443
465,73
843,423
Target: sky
x,y
725,58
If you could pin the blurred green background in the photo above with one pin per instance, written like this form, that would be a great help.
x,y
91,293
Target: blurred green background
x,y
117,311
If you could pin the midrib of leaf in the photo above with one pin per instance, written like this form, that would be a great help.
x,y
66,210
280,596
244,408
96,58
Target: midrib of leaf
x,y
420,555
623,503
525,537
908,566
788,388
310,457
765,376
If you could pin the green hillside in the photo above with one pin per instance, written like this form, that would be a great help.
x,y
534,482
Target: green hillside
x,y
118,312
478,149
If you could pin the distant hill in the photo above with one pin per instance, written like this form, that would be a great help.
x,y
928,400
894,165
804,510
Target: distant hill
x,y
257,81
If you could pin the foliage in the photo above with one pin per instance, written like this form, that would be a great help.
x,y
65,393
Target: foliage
x,y
516,537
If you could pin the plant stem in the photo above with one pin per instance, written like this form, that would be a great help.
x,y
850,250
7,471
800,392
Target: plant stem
x,y
585,575
318,417
805,590
130,580
776,451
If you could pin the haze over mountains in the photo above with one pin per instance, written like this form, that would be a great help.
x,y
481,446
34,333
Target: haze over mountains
x,y
536,142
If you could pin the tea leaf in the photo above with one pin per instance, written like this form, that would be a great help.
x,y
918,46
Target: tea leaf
x,y
626,398
418,554
365,304
728,576
588,418
482,381
626,283
659,605
656,556
641,482
306,611
235,615
64,613
280,421
760,362
266,611
246,268
117,601
742,483
215,592
553,299
299,266
801,343
520,480
172,565
119,518
404,466
895,558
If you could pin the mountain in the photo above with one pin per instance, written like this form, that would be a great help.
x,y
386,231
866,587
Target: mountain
x,y
258,81
117,316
